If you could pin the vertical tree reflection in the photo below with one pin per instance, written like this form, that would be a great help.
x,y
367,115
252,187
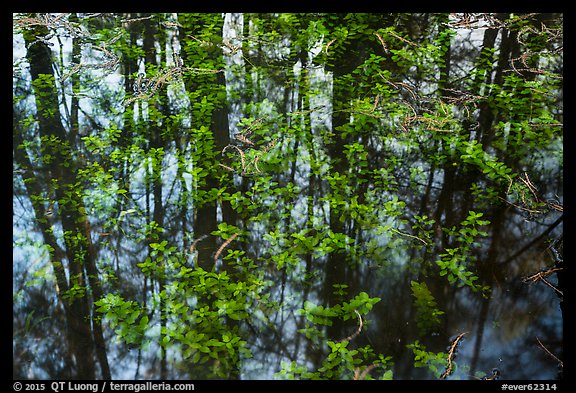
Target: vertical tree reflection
x,y
287,196
53,187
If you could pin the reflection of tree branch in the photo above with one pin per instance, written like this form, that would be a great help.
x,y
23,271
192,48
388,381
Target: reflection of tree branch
x,y
532,188
534,241
554,33
145,88
51,22
540,277
519,207
402,38
406,234
128,21
254,162
560,363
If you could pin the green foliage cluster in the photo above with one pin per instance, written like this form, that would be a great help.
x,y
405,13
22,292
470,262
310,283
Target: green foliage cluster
x,y
342,360
304,192
428,314
197,306
455,261
436,362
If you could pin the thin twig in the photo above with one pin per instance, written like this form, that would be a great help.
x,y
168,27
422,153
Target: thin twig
x,y
540,276
360,376
193,246
451,355
224,245
401,38
357,332
407,234
549,353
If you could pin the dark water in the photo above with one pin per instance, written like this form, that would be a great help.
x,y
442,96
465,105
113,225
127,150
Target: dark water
x,y
513,328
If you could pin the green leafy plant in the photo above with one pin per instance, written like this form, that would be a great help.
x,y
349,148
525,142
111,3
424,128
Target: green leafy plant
x,y
436,362
455,262
428,314
341,361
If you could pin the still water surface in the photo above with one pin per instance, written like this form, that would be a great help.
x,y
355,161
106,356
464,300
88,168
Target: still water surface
x,y
514,330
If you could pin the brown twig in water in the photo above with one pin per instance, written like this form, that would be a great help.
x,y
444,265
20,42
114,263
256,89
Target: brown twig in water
x,y
193,246
264,150
252,163
533,190
361,375
242,155
530,186
128,21
357,332
244,140
520,207
146,88
560,363
227,167
540,277
401,38
451,355
224,245
327,45
382,42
